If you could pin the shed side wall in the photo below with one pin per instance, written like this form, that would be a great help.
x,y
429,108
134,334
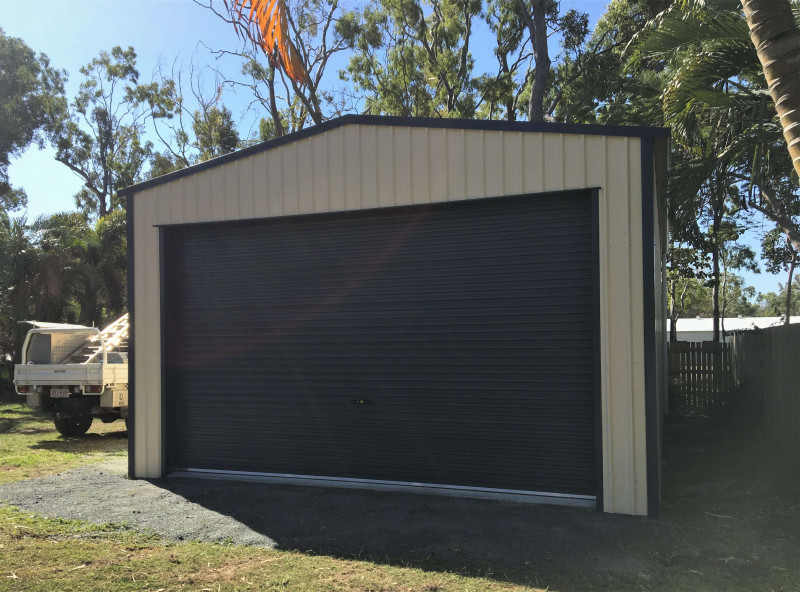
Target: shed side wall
x,y
357,167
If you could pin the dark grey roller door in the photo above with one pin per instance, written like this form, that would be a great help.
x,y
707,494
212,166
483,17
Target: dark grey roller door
x,y
448,344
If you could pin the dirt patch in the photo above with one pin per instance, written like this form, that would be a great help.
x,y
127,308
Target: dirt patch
x,y
731,521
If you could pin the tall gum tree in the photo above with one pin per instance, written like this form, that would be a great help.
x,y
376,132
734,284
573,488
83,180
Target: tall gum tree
x,y
101,139
31,101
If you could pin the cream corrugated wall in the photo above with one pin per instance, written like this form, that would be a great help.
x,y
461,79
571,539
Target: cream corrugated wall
x,y
362,166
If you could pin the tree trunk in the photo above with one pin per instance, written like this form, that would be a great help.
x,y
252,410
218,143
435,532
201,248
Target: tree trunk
x,y
273,104
673,314
776,38
718,200
792,265
537,28
715,290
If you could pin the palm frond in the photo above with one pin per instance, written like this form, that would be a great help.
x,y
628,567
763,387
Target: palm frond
x,y
708,87
267,26
684,25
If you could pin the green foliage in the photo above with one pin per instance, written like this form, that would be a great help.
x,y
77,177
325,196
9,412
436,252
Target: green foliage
x,y
776,251
60,268
592,83
188,134
267,130
773,304
215,132
716,102
780,256
738,299
409,63
101,139
506,94
31,102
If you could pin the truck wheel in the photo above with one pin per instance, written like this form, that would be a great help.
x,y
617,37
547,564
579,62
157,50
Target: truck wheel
x,y
73,424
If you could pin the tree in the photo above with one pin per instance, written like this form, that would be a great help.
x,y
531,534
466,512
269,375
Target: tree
x,y
410,64
773,304
776,37
62,279
267,26
17,259
31,102
594,84
720,113
779,255
101,138
292,103
60,268
190,129
524,84
718,107
535,19
686,272
738,297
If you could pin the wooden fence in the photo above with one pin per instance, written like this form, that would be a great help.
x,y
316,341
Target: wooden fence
x,y
767,374
700,376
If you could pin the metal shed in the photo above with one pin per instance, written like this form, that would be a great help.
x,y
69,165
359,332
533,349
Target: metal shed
x,y
467,307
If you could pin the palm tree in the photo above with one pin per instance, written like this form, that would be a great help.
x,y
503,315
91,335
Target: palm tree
x,y
64,284
266,25
776,37
107,255
17,260
719,108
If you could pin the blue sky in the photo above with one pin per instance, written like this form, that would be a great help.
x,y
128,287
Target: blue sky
x,y
72,32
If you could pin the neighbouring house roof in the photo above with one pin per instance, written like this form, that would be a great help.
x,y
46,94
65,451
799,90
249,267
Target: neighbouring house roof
x,y
699,325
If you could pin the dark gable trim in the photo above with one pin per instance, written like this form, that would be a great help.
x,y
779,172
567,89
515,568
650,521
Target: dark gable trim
x,y
429,122
653,444
131,343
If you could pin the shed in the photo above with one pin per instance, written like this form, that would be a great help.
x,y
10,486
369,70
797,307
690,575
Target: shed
x,y
462,307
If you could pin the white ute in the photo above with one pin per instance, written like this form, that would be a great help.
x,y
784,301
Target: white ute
x,y
77,372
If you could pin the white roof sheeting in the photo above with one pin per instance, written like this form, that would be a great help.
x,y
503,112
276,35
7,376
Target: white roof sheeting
x,y
697,325
45,325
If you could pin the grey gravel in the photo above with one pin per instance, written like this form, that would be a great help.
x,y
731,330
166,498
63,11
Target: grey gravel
x,y
730,521
102,494
402,528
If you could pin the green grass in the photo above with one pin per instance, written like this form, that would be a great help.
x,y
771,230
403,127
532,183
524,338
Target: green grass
x,y
38,554
41,554
31,447
731,518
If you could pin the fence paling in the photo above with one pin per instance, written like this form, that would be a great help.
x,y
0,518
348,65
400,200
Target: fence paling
x,y
700,374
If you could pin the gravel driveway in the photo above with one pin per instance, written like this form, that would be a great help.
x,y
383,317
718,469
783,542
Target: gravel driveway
x,y
419,529
730,521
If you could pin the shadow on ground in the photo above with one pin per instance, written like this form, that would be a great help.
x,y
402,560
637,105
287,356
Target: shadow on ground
x,y
87,442
730,522
19,420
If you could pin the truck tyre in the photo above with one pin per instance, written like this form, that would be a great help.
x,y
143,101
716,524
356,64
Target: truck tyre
x,y
73,424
